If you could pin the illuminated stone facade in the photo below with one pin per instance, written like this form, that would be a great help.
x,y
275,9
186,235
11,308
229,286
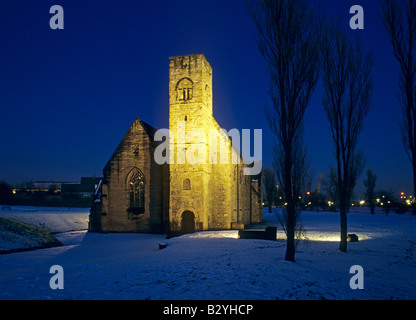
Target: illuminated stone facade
x,y
139,195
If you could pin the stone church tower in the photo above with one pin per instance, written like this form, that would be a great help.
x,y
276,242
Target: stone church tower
x,y
190,106
201,189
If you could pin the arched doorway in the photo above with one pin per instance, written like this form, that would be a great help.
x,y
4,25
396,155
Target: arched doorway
x,y
188,222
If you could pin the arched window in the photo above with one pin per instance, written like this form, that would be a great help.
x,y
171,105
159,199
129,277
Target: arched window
x,y
136,186
186,184
184,89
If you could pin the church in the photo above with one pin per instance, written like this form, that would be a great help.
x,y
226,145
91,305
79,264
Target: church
x,y
139,194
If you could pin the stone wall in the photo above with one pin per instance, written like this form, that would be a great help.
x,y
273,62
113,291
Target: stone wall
x,y
134,153
257,199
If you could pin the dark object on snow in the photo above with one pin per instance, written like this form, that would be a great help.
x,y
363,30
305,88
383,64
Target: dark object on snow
x,y
268,234
251,234
352,238
162,246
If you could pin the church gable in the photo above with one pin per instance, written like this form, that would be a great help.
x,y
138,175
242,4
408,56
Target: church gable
x,y
132,182
139,137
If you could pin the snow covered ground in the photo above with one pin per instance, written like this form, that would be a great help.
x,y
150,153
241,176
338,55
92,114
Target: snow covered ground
x,y
50,218
215,265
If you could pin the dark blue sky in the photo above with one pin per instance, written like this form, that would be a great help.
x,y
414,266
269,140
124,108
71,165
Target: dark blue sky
x,y
68,96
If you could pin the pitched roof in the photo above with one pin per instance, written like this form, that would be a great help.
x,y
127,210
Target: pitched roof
x,y
148,128
150,131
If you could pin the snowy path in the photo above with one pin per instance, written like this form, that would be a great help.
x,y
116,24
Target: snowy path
x,y
216,265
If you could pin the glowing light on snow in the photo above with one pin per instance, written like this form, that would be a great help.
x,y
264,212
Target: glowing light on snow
x,y
331,236
230,234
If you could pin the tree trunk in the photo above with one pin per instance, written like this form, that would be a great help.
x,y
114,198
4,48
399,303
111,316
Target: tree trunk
x,y
290,243
291,205
270,208
344,230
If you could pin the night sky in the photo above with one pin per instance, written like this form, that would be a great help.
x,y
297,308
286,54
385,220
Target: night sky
x,y
68,96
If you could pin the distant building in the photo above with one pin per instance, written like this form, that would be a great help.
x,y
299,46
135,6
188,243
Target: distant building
x,y
85,189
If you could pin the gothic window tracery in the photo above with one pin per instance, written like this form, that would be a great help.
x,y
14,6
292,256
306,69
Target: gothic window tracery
x,y
136,185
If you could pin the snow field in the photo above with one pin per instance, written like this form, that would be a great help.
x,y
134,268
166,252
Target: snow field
x,y
215,265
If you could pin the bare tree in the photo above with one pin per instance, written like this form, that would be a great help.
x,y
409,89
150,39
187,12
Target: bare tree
x,y
269,186
399,18
289,37
370,192
348,88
